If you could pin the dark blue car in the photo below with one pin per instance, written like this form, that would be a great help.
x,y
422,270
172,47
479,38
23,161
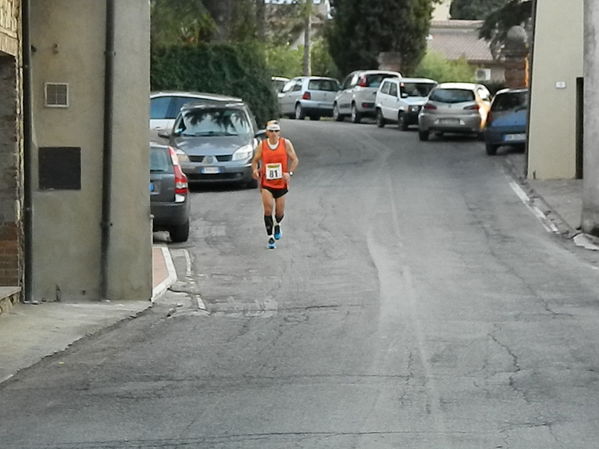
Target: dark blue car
x,y
507,120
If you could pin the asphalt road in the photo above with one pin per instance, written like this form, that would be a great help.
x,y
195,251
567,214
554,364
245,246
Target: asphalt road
x,y
413,302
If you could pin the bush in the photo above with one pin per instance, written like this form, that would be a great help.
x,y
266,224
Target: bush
x,y
436,67
238,70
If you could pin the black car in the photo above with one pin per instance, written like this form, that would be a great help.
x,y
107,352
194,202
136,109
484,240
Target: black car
x,y
169,193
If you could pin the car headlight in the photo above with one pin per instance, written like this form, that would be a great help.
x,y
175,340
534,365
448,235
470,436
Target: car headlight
x,y
245,152
414,108
182,155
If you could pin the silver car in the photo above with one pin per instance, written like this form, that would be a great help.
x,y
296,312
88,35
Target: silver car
x,y
357,95
455,108
215,142
310,96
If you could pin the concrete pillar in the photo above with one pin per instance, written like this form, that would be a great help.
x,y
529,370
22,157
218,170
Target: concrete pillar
x,y
590,189
515,56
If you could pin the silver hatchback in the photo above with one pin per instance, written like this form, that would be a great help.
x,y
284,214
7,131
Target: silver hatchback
x,y
310,96
455,108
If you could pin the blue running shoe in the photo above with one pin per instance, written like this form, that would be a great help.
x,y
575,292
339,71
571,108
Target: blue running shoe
x,y
271,243
278,233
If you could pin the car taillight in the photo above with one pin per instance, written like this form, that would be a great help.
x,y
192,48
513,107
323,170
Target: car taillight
x,y
429,107
181,184
363,82
474,107
307,96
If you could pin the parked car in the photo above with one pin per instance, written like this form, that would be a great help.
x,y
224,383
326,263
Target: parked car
x,y
455,108
169,193
400,100
310,96
358,92
216,141
278,82
164,107
507,120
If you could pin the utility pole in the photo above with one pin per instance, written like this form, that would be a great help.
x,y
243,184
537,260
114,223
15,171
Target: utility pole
x,y
590,184
308,38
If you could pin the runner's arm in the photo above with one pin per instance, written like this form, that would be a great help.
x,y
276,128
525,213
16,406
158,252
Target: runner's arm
x,y
255,160
293,159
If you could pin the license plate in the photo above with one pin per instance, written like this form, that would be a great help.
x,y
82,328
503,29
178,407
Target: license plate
x,y
449,121
514,137
210,170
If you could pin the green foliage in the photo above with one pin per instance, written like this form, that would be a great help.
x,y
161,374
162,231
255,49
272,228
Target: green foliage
x,y
238,70
322,62
497,24
282,60
436,67
361,30
180,22
474,9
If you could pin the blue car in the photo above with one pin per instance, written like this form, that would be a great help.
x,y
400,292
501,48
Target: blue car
x,y
507,120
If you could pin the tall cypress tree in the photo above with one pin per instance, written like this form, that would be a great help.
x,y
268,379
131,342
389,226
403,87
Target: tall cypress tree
x,y
361,30
474,9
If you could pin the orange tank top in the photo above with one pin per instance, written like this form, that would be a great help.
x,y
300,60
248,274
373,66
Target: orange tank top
x,y
274,164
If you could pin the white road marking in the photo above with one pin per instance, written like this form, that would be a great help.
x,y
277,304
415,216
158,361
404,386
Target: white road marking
x,y
547,224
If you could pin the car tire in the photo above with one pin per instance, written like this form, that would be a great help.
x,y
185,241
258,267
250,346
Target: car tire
x,y
402,123
356,117
299,112
180,233
380,120
336,114
423,135
491,149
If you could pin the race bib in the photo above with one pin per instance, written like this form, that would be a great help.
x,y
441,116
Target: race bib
x,y
274,171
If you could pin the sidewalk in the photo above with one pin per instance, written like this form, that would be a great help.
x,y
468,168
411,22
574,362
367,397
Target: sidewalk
x,y
28,333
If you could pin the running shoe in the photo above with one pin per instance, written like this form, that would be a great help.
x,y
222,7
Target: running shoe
x,y
278,233
271,243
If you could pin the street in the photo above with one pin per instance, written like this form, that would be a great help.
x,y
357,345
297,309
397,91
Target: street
x,y
413,302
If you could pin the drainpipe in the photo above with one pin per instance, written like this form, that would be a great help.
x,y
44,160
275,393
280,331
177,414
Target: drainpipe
x,y
27,145
107,155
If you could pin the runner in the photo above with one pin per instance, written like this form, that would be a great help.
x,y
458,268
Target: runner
x,y
277,161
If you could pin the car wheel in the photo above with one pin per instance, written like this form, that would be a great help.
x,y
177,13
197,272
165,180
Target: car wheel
x,y
491,149
423,135
355,115
299,112
336,115
180,233
402,123
380,120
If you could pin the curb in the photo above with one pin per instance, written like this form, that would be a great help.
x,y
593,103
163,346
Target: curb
x,y
160,290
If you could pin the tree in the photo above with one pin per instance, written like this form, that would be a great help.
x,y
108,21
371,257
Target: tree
x,y
474,9
498,23
361,30
176,22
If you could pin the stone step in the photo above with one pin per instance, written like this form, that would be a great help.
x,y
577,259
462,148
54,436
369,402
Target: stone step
x,y
9,296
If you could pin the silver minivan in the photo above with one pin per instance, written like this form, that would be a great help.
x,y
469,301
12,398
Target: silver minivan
x,y
310,96
400,100
358,92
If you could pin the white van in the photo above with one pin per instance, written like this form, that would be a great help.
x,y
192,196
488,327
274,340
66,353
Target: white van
x,y
400,99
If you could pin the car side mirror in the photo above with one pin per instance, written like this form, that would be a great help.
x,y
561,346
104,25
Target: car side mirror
x,y
404,95
163,133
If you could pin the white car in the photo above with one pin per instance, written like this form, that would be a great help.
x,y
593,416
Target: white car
x,y
310,96
400,100
357,94
165,106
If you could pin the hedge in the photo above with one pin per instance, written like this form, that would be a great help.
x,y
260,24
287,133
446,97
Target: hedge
x,y
237,70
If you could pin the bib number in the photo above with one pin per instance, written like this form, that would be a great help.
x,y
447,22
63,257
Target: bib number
x,y
274,171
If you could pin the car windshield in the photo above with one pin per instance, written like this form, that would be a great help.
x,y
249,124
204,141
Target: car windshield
x,y
511,101
159,160
326,85
213,122
452,95
416,89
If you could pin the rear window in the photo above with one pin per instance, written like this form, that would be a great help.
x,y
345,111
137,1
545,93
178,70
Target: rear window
x,y
416,89
326,85
452,95
159,107
510,101
160,161
375,79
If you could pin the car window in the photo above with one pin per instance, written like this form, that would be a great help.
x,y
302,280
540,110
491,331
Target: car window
x,y
160,162
452,95
416,89
159,107
213,122
178,103
385,88
510,101
287,87
375,79
326,85
297,86
393,89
